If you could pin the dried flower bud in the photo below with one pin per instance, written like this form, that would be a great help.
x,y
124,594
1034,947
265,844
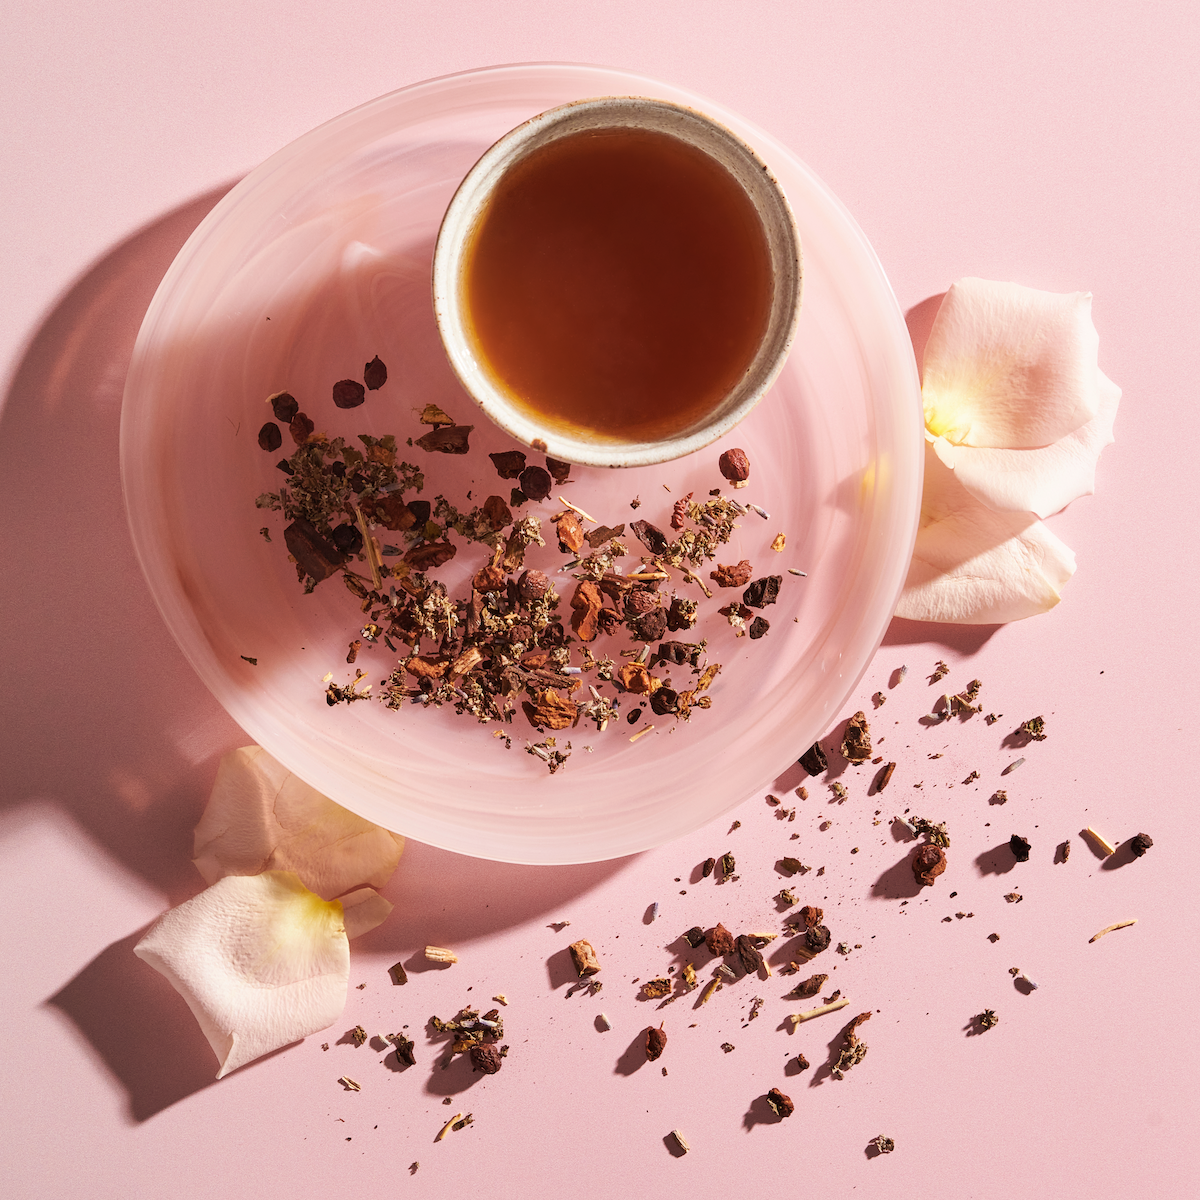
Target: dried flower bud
x,y
656,1042
533,585
735,466
928,863
719,940
781,1105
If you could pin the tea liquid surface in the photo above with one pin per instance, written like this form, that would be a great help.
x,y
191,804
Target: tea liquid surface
x,y
618,284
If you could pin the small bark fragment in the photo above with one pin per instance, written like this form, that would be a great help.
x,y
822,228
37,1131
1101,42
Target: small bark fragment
x,y
762,591
586,603
584,957
656,989
551,711
430,555
570,532
810,987
446,439
856,742
813,760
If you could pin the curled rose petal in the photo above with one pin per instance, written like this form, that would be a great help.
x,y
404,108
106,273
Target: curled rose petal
x,y
1010,366
975,566
1041,481
260,960
364,909
261,817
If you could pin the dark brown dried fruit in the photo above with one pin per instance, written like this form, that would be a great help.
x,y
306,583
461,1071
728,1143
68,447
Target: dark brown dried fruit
x,y
813,760
430,555
817,939
656,989
405,1050
508,463
656,1043
446,439
758,628
749,954
536,483
679,653
762,591
586,603
719,940
486,1059
284,407
375,374
1139,844
316,555
570,532
301,428
810,987
707,869
928,863
497,512
348,539
603,533
651,626
533,585
561,471
694,936
811,915
269,437
884,776
584,957
780,1104
735,466
650,536
1020,847
737,575
639,600
664,701
348,393
802,1063
856,741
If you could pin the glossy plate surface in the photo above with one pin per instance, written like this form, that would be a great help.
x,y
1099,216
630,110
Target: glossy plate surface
x,y
319,260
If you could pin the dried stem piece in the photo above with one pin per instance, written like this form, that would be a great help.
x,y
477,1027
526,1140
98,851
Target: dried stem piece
x,y
819,1011
448,1126
1110,928
1100,841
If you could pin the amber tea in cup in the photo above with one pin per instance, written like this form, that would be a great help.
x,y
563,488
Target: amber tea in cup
x,y
618,281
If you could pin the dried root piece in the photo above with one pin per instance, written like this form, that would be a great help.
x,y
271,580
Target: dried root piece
x,y
1110,928
819,1011
439,955
854,1051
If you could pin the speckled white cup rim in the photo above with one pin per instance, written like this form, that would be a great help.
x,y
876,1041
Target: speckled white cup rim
x,y
613,112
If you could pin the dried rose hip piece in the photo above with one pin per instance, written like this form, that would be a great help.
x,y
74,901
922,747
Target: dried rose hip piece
x,y
486,1059
817,939
446,439
810,987
758,628
650,536
269,437
719,940
1139,844
301,428
375,374
348,393
856,742
656,1043
748,952
508,463
535,483
780,1104
561,471
284,406
928,864
735,466
737,575
570,532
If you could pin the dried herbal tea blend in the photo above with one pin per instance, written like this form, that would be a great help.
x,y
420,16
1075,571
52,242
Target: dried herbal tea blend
x,y
517,642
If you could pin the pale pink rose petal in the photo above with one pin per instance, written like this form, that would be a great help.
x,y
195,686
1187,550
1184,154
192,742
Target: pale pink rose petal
x,y
1010,366
260,817
975,566
260,960
1041,481
365,908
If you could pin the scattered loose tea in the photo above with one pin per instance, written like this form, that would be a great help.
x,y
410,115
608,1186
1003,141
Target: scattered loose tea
x,y
758,628
728,865
707,868
813,760
781,1105
940,671
405,1048
398,973
802,1063
817,939
656,1043
998,797
1013,897
584,957
856,742
348,393
884,776
1140,844
359,1034
1020,847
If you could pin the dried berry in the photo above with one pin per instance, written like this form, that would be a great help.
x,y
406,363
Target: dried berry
x,y
634,677
348,393
536,483
1139,844
584,957
694,936
817,939
811,915
532,585
650,536
508,463
749,954
284,406
928,863
762,591
758,628
446,439
856,742
301,429
559,470
656,1043
813,760
664,701
707,869
1020,847
735,466
486,1058
269,437
375,374
650,626
348,539
719,940
732,576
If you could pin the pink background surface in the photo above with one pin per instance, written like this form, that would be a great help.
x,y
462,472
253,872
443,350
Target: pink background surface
x,y
1052,145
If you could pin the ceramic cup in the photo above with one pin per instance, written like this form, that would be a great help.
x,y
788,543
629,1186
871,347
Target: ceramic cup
x,y
617,112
